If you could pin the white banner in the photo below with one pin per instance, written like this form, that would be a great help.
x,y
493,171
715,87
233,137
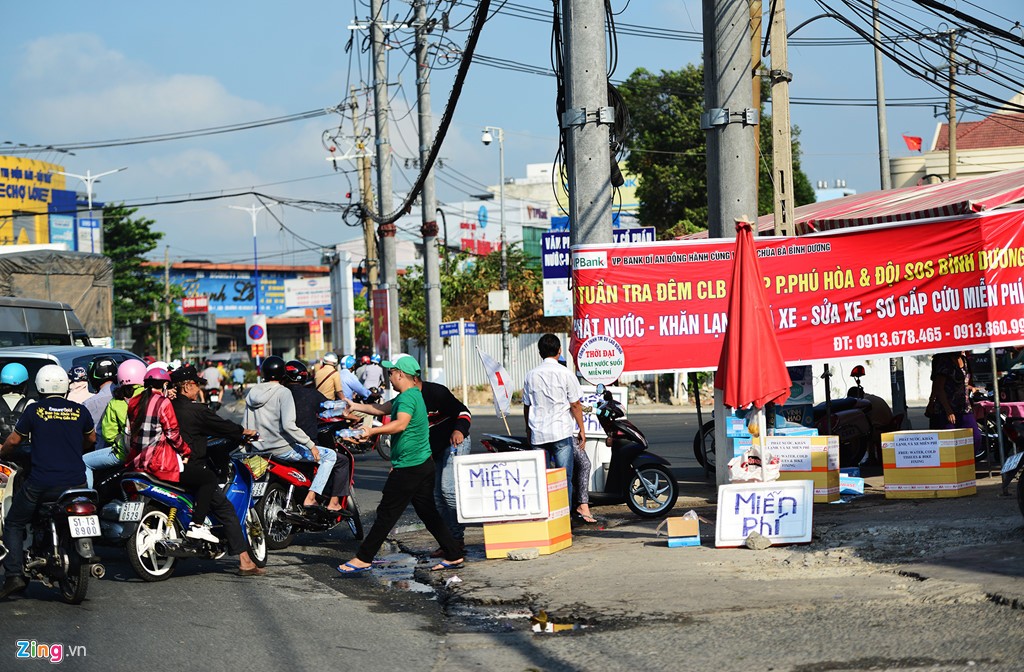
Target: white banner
x,y
500,384
308,292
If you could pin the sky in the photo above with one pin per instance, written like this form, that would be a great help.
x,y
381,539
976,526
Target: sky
x,y
85,72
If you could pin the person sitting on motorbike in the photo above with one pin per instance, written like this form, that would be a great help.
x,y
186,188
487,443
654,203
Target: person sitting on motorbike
x,y
238,380
61,430
196,422
307,405
155,446
350,385
326,379
373,374
114,422
13,401
102,376
270,410
79,390
213,378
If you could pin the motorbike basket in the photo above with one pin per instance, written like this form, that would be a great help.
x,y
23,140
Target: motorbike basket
x,y
257,465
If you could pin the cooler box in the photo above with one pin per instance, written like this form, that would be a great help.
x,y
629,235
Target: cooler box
x,y
925,464
809,458
547,536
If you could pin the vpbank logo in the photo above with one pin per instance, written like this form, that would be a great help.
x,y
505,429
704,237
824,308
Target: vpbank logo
x,y
587,260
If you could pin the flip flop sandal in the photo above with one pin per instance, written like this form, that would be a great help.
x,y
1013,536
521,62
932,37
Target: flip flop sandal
x,y
444,564
352,569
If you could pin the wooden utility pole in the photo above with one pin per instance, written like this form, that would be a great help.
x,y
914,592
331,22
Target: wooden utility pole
x,y
782,143
365,197
952,105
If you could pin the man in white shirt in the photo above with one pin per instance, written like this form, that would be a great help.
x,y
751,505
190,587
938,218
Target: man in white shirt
x,y
552,408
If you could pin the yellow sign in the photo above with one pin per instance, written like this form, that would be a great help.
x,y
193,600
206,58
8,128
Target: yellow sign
x,y
26,191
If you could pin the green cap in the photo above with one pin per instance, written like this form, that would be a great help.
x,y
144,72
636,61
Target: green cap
x,y
404,363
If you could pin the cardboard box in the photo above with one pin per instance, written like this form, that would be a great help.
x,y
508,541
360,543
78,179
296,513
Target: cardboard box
x,y
547,536
682,531
928,463
809,458
742,444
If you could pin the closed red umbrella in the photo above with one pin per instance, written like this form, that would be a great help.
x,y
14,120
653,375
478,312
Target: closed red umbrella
x,y
751,369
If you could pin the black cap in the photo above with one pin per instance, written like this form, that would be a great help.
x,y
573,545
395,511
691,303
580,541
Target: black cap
x,y
184,373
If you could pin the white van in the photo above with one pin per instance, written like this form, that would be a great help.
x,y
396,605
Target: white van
x,y
36,322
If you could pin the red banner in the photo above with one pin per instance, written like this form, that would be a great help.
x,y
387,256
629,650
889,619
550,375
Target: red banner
x,y
380,314
191,305
901,289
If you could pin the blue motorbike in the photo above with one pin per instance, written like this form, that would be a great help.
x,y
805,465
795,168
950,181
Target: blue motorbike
x,y
158,514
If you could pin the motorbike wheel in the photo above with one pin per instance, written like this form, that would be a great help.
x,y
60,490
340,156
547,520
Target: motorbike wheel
x,y
355,523
278,533
142,554
75,582
383,447
652,492
704,444
257,535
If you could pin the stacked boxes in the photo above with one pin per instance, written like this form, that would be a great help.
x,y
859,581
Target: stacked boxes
x,y
743,440
925,464
547,536
809,458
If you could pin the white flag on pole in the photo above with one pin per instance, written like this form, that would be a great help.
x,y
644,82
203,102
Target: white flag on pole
x,y
500,381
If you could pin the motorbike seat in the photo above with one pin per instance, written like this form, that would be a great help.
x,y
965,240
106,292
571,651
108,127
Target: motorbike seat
x,y
156,481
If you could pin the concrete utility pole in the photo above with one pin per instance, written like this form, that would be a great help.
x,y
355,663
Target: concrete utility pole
x,y
952,105
731,124
755,87
389,257
431,261
782,140
586,119
883,131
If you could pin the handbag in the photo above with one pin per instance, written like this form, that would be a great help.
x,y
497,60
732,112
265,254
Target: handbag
x,y
933,409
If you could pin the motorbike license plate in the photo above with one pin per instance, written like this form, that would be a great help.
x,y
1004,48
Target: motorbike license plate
x,y
131,512
259,489
1011,463
84,526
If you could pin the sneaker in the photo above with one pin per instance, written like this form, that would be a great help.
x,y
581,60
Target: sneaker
x,y
201,532
12,585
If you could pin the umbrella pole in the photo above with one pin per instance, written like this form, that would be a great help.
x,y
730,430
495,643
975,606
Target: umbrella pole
x,y
760,418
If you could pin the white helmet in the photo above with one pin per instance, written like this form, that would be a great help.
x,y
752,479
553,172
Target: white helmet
x,y
331,358
157,365
174,364
52,379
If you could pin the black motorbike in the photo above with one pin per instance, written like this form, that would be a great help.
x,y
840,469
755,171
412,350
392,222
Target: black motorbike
x,y
630,473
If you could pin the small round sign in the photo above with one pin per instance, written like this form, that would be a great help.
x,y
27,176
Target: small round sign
x,y
256,332
601,360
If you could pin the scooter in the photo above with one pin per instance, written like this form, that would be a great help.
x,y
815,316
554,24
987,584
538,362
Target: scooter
x,y
623,471
214,399
59,550
332,413
284,488
159,513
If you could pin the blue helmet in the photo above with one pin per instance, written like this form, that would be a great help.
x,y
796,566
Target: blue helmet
x,y
14,374
349,361
375,359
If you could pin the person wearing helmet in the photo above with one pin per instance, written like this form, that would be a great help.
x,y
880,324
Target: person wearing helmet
x,y
373,373
60,431
113,425
270,410
13,379
350,385
102,375
155,445
212,377
197,421
307,405
79,390
326,379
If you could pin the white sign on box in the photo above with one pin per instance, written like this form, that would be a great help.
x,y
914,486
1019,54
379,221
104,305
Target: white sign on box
x,y
918,449
501,487
794,452
780,510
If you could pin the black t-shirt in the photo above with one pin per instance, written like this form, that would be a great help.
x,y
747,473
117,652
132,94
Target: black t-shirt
x,y
56,427
307,405
445,414
197,422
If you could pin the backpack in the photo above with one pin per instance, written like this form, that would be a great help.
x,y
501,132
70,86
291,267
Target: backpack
x,y
9,416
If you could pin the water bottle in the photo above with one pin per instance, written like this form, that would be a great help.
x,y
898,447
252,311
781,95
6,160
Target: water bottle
x,y
330,404
348,433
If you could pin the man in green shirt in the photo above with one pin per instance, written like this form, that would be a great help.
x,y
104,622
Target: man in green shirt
x,y
412,475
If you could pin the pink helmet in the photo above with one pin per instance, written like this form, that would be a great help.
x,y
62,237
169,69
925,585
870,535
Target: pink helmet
x,y
131,372
158,374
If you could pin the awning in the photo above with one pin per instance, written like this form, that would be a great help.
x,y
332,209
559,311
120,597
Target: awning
x,y
959,197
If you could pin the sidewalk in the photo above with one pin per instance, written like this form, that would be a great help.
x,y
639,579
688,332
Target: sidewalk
x,y
969,549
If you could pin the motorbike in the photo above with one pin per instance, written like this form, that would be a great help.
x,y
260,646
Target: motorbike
x,y
332,413
213,399
623,469
158,513
284,488
59,546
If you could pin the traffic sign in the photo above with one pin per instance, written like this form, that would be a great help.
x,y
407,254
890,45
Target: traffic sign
x,y
256,330
449,329
470,328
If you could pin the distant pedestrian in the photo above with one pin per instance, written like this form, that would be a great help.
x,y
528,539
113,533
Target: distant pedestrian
x,y
552,408
949,406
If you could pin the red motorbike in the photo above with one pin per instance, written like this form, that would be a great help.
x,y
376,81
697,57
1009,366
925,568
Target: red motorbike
x,y
282,489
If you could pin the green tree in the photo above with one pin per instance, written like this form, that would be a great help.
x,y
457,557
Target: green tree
x,y
668,151
465,281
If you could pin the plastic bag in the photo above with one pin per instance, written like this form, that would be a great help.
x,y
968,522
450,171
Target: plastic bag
x,y
753,466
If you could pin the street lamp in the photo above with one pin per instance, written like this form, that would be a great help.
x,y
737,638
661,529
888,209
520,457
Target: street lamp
x,y
254,210
487,138
89,178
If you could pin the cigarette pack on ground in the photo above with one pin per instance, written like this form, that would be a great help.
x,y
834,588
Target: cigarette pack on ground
x,y
809,458
925,464
681,530
547,536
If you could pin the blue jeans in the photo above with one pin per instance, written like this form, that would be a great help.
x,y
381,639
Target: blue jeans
x,y
99,459
444,489
23,507
323,472
560,455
